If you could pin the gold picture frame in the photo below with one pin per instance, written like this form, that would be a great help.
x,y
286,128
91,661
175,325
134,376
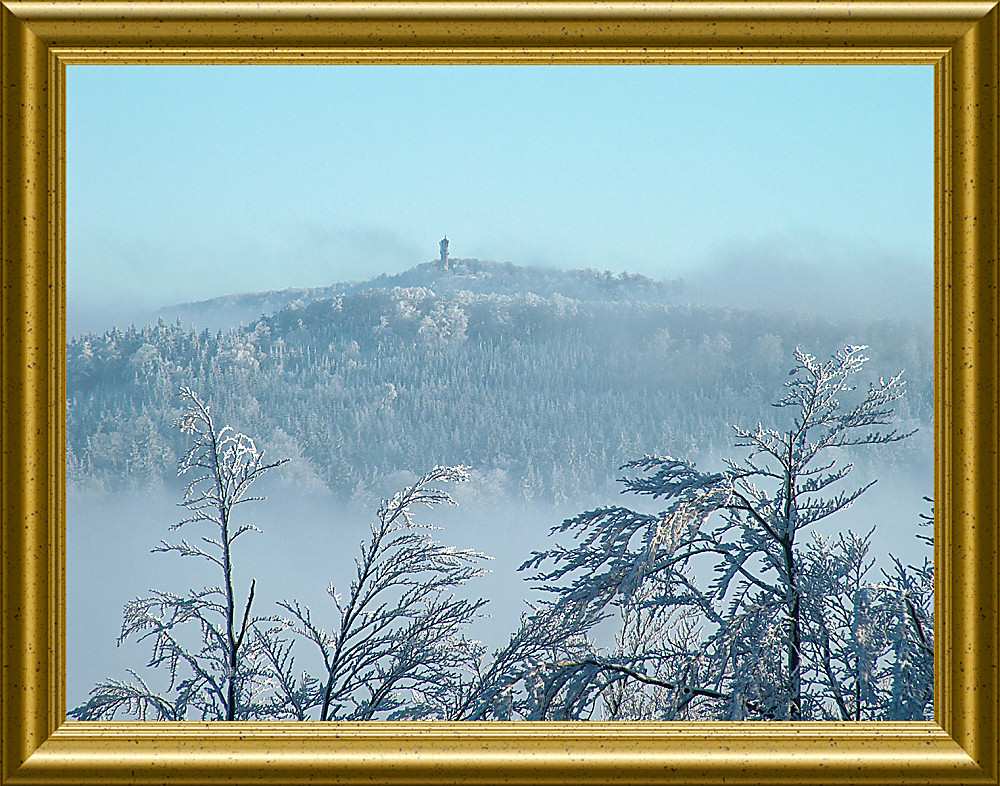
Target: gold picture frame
x,y
41,37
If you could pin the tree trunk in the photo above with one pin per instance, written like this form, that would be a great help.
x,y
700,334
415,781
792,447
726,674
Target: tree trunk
x,y
794,638
227,569
794,603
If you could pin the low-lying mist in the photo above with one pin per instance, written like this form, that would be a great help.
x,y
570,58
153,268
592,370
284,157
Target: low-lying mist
x,y
309,540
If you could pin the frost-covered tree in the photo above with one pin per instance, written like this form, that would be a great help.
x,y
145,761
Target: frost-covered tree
x,y
910,597
635,567
870,632
764,610
518,679
846,637
396,646
664,644
206,642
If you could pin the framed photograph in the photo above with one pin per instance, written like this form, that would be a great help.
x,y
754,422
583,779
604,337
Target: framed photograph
x,y
541,392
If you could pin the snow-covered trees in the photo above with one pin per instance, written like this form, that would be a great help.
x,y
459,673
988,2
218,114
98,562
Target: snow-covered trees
x,y
845,629
789,630
206,639
729,603
396,648
910,596
533,378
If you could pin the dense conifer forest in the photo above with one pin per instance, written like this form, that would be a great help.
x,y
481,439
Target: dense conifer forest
x,y
543,382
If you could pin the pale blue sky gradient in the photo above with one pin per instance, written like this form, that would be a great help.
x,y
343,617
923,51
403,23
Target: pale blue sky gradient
x,y
190,182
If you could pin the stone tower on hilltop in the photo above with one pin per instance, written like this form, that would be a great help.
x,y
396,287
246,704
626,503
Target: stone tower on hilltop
x,y
443,247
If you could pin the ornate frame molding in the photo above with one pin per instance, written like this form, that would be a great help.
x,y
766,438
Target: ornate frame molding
x,y
40,38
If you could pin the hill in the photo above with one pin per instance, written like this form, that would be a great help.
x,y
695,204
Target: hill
x,y
543,394
463,275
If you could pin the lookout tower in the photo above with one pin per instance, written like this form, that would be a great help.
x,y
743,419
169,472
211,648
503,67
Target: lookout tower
x,y
443,247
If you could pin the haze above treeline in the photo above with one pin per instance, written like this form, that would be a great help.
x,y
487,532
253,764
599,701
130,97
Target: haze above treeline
x,y
809,281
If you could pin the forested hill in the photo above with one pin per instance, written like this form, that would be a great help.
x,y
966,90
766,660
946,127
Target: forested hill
x,y
468,275
543,394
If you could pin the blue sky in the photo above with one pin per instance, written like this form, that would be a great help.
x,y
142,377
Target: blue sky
x,y
189,182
